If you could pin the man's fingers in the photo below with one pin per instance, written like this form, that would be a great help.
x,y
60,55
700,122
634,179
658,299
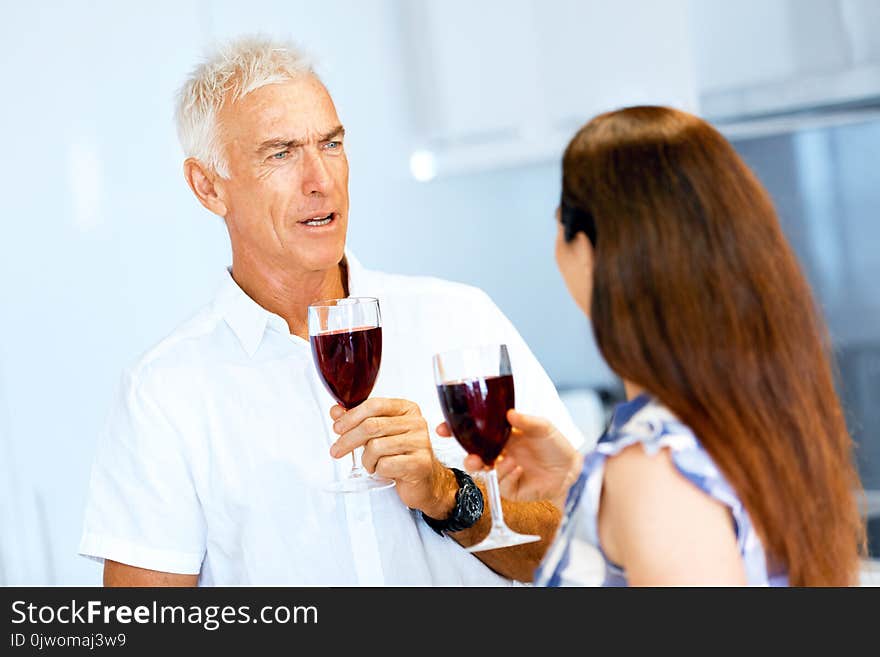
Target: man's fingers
x,y
369,429
443,430
387,446
374,407
336,412
393,467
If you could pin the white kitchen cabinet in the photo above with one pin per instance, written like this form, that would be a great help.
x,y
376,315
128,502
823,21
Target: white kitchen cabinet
x,y
495,84
760,57
498,83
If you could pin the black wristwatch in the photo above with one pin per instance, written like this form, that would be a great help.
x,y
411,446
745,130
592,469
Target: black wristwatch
x,y
467,510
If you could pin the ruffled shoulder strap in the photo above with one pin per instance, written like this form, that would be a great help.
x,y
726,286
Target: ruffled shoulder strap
x,y
655,427
647,422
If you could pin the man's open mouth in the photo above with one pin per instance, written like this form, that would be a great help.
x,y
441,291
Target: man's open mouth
x,y
319,220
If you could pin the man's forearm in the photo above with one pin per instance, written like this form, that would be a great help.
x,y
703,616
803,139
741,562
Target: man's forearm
x,y
518,562
120,574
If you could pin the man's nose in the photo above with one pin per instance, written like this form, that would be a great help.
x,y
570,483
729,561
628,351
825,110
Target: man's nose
x,y
316,175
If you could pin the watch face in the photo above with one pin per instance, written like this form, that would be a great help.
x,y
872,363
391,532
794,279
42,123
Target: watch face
x,y
469,505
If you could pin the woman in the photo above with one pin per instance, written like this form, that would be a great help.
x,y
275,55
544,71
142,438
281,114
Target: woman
x,y
730,463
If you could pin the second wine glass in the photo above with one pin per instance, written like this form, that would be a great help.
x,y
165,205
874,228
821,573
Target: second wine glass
x,y
346,340
475,387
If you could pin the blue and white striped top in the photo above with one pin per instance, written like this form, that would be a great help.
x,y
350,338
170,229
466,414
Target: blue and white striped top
x,y
644,420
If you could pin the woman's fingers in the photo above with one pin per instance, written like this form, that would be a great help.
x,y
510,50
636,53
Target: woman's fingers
x,y
529,424
472,463
509,484
504,466
521,421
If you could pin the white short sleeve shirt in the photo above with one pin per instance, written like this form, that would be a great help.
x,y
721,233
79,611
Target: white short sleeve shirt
x,y
214,455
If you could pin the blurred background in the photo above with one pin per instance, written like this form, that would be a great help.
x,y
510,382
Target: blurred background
x,y
456,113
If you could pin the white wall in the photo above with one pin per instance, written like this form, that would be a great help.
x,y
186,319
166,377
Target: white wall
x,y
105,250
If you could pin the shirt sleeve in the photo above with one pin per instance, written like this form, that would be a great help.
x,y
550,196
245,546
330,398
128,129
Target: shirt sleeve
x,y
535,392
142,508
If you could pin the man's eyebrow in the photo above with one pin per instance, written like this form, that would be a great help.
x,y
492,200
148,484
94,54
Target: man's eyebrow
x,y
338,131
282,143
278,143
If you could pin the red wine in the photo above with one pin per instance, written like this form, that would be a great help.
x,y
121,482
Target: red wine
x,y
476,411
348,362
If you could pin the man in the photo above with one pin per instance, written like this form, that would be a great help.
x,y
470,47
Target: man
x,y
211,467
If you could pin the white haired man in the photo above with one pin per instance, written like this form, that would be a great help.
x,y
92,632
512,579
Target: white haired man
x,y
211,465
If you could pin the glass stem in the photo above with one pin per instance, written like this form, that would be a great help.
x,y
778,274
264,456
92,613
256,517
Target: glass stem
x,y
357,470
495,500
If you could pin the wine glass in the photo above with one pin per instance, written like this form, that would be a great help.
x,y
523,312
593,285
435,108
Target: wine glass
x,y
475,386
346,339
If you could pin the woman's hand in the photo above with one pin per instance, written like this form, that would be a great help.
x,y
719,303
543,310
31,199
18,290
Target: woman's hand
x,y
537,463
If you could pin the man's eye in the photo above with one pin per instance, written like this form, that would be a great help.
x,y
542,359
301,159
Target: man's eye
x,y
333,145
280,156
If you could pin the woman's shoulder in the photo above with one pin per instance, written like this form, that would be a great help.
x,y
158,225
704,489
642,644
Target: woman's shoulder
x,y
647,423
667,525
652,467
651,460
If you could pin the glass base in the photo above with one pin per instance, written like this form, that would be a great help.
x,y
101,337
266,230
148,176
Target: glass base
x,y
359,484
501,537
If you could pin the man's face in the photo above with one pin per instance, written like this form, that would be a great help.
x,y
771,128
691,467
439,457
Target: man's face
x,y
288,176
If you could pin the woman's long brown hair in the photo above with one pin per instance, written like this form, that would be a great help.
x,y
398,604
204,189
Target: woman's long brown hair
x,y
698,298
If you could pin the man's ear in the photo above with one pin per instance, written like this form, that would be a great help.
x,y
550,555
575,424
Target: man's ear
x,y
203,183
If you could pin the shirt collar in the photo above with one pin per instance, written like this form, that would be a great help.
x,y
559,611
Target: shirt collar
x,y
249,320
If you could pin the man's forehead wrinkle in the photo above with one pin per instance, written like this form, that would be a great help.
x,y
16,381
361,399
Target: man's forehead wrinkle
x,y
284,139
288,114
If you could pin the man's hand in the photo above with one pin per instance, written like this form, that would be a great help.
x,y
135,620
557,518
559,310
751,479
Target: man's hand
x,y
537,463
397,445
